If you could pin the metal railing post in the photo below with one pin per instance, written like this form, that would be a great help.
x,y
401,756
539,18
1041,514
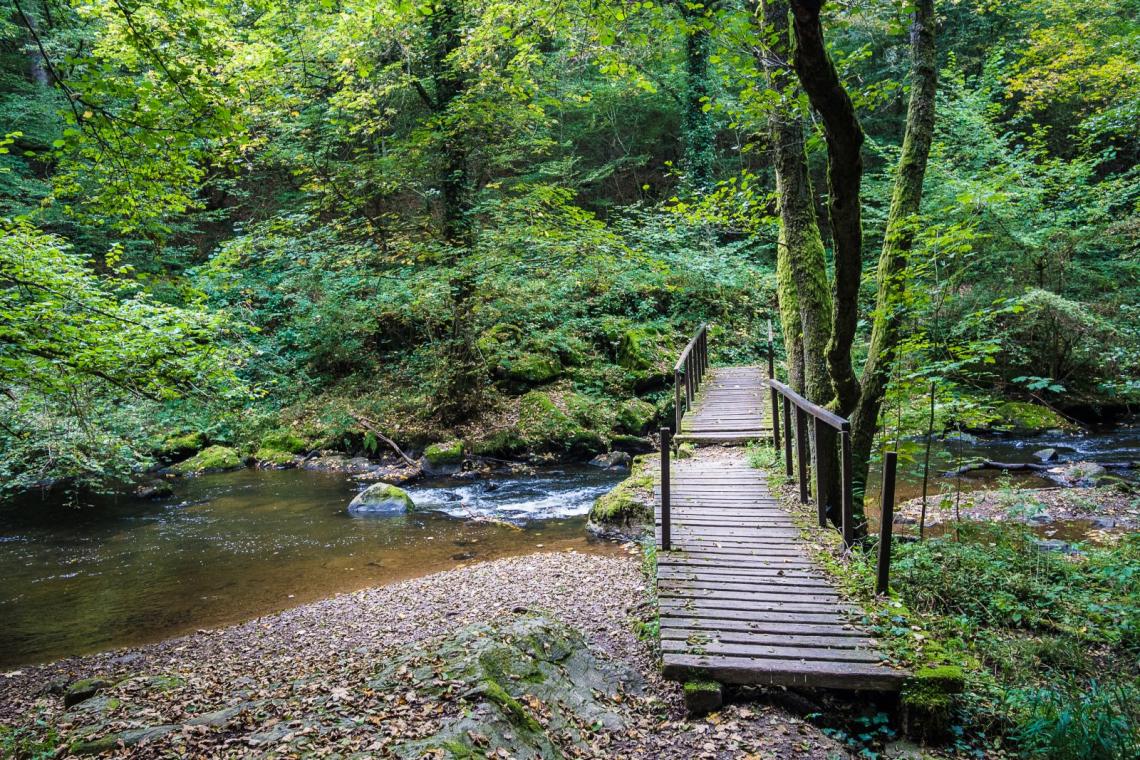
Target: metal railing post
x,y
666,522
886,522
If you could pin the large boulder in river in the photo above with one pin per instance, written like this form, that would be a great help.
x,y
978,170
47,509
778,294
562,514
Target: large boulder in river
x,y
212,459
441,458
1077,474
382,497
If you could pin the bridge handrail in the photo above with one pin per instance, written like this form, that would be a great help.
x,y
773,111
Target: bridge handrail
x,y
827,426
689,372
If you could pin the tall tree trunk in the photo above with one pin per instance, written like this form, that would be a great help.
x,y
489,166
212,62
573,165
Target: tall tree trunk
x,y
844,135
457,395
902,227
805,303
697,138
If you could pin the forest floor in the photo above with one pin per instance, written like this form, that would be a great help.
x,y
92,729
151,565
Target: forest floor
x,y
1106,507
304,681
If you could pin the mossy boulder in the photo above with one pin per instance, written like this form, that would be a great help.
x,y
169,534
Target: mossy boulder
x,y
529,686
532,368
84,689
211,459
549,423
1024,418
521,360
642,349
383,498
634,416
182,445
626,511
284,440
448,452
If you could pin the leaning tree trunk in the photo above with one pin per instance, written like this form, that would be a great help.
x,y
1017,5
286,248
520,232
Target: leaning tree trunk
x,y
805,303
902,228
844,137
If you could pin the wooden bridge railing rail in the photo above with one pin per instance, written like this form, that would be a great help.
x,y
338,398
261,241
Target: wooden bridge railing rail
x,y
826,427
689,373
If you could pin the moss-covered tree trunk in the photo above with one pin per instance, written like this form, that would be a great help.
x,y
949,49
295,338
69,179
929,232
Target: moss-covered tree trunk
x,y
698,149
805,303
457,393
902,228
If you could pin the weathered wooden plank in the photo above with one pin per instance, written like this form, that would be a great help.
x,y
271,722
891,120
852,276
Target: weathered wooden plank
x,y
771,651
828,675
834,631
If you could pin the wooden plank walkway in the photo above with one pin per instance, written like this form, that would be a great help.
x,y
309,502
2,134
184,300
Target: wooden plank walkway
x,y
729,408
740,599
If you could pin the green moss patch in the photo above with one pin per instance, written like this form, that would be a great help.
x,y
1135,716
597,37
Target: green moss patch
x,y
628,508
212,459
449,452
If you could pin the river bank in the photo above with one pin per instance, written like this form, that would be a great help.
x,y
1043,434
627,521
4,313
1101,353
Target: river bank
x,y
304,681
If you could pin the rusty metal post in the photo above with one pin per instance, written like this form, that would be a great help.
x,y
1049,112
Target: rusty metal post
x,y
886,522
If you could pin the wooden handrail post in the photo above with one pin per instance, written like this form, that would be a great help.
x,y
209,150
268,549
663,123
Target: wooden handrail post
x,y
677,410
788,438
822,460
666,538
802,453
775,400
847,496
886,521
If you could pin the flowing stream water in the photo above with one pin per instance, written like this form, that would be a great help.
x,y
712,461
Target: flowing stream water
x,y
237,545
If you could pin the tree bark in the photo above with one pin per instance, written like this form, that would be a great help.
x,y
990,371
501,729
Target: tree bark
x,y
801,265
902,228
844,136
697,138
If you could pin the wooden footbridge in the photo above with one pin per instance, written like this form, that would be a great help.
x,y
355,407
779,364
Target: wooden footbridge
x,y
741,601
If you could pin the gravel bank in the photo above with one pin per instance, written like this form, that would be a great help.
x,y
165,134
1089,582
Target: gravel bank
x,y
295,683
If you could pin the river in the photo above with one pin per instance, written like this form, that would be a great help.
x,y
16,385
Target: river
x,y
233,546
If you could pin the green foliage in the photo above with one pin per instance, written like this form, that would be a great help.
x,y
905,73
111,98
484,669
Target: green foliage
x,y
1060,636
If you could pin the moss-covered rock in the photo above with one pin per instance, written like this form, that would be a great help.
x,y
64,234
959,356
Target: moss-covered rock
x,y
275,458
381,497
1025,418
284,440
634,416
642,349
83,689
182,445
448,452
521,360
627,510
528,686
532,368
549,425
212,459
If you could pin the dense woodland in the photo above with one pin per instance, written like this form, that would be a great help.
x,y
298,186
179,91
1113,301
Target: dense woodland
x,y
252,230
228,220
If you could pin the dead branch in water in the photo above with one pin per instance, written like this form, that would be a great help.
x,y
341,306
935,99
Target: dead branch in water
x,y
989,464
373,428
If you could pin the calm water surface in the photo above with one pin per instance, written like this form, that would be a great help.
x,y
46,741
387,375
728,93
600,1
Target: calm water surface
x,y
233,546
